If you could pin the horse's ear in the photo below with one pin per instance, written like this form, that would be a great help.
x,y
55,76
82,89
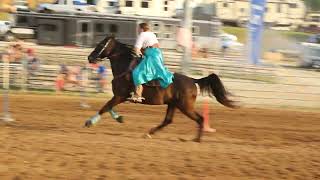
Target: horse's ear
x,y
113,36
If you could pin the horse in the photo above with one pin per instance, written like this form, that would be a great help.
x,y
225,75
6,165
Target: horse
x,y
181,94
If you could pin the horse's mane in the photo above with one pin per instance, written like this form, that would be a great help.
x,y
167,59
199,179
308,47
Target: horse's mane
x,y
127,49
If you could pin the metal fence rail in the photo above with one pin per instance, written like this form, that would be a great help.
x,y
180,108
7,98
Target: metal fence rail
x,y
252,85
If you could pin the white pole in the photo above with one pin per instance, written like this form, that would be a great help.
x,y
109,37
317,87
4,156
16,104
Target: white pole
x,y
6,80
83,87
187,25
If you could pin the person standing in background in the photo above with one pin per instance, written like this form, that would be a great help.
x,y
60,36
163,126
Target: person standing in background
x,y
102,77
32,60
60,80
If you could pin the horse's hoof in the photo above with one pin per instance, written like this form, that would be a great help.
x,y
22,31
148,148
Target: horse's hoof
x,y
85,105
120,119
208,129
148,136
88,124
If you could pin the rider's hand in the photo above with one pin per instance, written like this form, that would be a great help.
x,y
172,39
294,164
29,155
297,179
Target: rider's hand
x,y
138,52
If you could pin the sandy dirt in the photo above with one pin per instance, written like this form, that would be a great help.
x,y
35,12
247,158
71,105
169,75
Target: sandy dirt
x,y
47,141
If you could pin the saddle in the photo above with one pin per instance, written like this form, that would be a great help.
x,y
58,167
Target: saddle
x,y
153,83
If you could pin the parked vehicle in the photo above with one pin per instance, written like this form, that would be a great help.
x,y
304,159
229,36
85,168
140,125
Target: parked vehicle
x,y
5,32
21,5
8,32
311,52
231,40
86,29
66,6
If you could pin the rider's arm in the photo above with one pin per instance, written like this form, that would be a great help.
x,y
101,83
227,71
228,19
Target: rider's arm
x,y
139,44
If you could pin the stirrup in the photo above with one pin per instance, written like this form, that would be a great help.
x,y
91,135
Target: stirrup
x,y
135,98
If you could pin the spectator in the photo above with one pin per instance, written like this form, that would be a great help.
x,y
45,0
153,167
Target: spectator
x,y
18,55
15,52
32,60
74,75
102,79
68,75
60,81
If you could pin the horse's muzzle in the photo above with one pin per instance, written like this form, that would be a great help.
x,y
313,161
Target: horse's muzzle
x,y
91,59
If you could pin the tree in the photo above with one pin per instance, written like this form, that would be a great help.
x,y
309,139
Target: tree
x,y
313,5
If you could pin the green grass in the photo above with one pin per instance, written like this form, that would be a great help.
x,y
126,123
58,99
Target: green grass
x,y
3,16
298,36
241,33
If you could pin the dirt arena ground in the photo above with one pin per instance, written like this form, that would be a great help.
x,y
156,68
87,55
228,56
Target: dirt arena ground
x,y
47,141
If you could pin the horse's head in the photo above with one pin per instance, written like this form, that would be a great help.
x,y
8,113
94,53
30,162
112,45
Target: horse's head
x,y
102,50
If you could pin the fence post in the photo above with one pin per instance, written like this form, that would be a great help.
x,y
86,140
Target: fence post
x,y
187,26
6,85
24,75
83,87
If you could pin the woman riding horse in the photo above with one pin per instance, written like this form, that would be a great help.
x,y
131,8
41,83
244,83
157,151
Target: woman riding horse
x,y
151,66
180,93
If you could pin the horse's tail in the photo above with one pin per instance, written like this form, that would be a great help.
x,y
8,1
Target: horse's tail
x,y
212,85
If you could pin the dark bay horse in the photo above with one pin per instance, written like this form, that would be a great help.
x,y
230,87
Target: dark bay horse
x,y
181,94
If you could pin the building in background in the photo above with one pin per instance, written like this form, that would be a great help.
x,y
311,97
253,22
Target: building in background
x,y
278,12
160,8
108,6
311,23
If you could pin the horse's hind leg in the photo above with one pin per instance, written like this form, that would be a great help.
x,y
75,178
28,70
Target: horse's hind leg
x,y
167,120
192,114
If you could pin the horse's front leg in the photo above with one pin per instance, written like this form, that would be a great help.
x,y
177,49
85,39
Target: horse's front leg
x,y
107,108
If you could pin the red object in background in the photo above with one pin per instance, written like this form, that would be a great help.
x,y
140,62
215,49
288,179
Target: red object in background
x,y
205,114
60,84
30,51
94,66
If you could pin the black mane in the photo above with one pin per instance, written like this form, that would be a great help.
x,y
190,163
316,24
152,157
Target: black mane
x,y
125,49
121,57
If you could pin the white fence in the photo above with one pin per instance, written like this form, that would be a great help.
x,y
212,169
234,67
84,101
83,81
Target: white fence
x,y
254,86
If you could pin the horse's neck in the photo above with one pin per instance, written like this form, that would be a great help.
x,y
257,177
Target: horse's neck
x,y
118,66
120,63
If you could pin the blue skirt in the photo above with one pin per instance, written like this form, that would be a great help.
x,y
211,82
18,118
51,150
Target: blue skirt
x,y
151,68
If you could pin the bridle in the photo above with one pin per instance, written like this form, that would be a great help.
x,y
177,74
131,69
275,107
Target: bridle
x,y
110,54
104,47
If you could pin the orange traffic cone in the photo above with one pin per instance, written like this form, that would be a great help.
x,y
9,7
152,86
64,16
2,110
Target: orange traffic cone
x,y
205,114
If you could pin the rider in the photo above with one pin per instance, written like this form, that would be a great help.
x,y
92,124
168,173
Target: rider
x,y
151,66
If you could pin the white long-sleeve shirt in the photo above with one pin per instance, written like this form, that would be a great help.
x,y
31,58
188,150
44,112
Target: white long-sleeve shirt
x,y
146,39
